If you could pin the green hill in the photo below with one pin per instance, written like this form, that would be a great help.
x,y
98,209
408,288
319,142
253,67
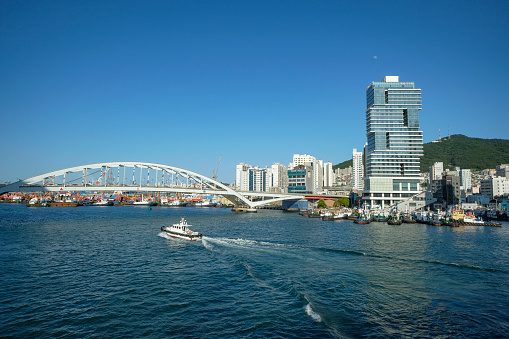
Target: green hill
x,y
461,151
465,152
344,164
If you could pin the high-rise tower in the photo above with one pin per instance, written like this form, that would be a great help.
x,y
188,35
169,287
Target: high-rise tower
x,y
394,141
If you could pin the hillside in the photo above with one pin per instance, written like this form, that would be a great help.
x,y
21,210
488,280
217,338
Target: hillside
x,y
461,151
344,164
465,152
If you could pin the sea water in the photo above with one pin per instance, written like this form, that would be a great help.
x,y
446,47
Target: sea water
x,y
110,272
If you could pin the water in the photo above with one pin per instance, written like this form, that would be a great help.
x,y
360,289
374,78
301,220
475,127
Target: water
x,y
110,271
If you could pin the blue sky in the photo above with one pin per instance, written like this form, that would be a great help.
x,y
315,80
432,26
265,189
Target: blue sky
x,y
182,82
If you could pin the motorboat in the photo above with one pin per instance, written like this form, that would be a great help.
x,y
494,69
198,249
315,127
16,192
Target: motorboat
x,y
181,230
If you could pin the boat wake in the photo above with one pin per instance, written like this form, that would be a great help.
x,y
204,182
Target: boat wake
x,y
315,316
290,251
239,242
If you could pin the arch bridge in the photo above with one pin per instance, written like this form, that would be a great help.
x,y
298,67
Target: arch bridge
x,y
139,177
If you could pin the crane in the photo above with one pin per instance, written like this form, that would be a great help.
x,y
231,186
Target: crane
x,y
214,174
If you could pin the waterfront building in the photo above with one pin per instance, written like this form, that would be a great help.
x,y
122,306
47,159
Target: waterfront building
x,y
451,189
257,179
300,179
313,166
242,177
317,176
278,178
357,170
328,175
479,199
447,189
394,142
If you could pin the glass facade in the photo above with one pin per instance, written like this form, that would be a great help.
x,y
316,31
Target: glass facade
x,y
392,129
394,140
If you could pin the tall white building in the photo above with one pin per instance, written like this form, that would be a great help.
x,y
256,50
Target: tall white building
x,y
358,170
242,177
257,179
436,170
328,175
279,178
465,179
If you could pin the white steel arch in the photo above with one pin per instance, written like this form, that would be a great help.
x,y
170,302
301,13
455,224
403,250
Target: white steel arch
x,y
86,177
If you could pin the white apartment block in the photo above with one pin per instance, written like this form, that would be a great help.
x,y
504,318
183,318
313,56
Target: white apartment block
x,y
242,177
358,170
301,159
436,170
328,175
465,179
257,179
279,178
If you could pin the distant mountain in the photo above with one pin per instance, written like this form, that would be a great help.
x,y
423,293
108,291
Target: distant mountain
x,y
464,152
460,151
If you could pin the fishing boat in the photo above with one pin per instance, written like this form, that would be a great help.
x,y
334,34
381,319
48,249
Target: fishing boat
x,y
409,219
205,203
380,217
145,202
182,231
364,218
103,202
331,216
395,219
34,202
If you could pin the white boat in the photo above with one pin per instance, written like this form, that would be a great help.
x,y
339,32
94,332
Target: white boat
x,y
205,203
145,202
103,202
181,230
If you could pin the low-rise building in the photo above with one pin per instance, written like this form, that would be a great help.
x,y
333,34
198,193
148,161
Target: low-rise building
x,y
300,180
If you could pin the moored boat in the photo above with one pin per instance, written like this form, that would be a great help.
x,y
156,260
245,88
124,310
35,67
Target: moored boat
x,y
103,202
182,231
395,219
34,202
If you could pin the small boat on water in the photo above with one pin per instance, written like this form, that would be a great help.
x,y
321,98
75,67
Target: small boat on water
x,y
395,219
182,231
103,202
34,202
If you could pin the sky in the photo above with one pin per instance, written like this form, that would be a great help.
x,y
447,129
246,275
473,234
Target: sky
x,y
182,83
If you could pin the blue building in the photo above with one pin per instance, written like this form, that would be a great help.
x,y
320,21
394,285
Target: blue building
x,y
394,142
300,180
